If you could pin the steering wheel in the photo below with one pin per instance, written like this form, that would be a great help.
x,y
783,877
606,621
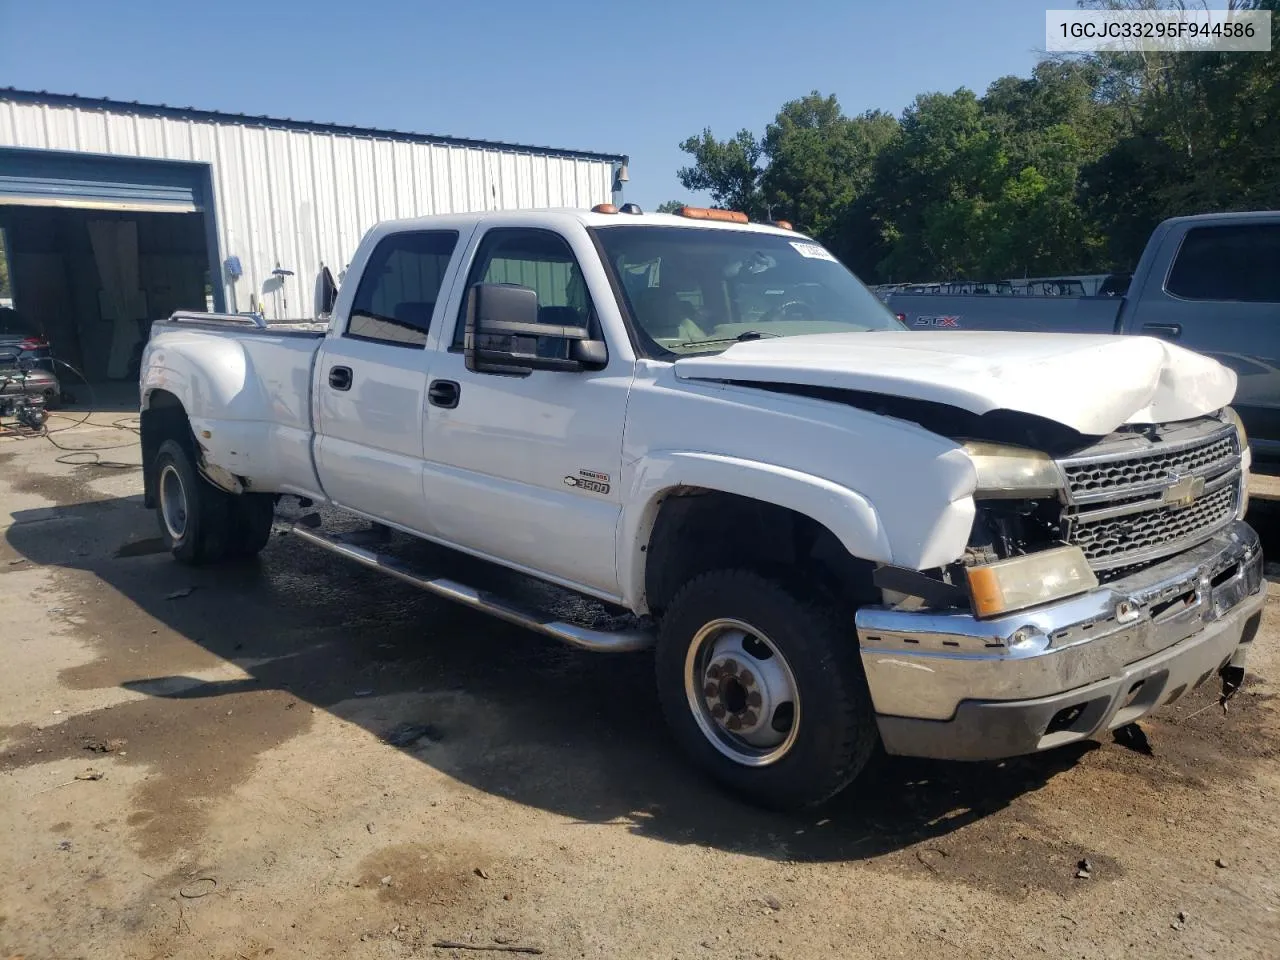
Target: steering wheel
x,y
791,310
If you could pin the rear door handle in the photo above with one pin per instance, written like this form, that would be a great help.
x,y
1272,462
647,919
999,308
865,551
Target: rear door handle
x,y
444,393
1170,331
340,378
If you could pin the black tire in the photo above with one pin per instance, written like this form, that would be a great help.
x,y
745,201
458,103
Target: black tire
x,y
199,523
835,730
252,517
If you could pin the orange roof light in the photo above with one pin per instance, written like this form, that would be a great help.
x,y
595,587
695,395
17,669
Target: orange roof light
x,y
784,224
604,208
713,213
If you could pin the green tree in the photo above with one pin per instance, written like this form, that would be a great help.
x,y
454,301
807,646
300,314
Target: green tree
x,y
727,169
1064,171
671,206
1199,135
934,185
812,164
819,161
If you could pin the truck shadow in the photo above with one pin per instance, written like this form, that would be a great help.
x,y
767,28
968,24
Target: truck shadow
x,y
490,705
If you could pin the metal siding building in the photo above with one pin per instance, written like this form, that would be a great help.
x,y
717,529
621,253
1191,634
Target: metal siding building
x,y
272,193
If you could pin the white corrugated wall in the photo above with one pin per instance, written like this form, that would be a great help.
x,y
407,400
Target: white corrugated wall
x,y
301,198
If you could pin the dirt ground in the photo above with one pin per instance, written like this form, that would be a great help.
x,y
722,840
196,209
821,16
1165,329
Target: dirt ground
x,y
300,759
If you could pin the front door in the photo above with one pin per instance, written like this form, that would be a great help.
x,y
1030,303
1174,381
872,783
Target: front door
x,y
371,381
525,468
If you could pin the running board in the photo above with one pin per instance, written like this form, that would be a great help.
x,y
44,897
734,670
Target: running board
x,y
601,641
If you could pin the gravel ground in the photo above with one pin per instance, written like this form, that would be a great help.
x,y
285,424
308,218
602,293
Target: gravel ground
x,y
298,758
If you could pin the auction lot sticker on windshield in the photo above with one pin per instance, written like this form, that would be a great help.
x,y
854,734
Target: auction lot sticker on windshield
x,y
813,251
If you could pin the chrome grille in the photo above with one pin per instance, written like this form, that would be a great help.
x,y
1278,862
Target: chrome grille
x,y
1089,478
1129,538
1125,496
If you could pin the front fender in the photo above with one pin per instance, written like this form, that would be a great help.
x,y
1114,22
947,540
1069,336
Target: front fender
x,y
846,513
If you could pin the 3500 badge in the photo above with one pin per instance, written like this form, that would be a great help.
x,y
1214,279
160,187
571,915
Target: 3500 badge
x,y
589,480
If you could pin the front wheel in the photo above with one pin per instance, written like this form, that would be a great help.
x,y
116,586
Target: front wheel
x,y
764,689
201,524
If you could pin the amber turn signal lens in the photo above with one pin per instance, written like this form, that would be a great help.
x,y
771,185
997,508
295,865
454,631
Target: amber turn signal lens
x,y
1019,582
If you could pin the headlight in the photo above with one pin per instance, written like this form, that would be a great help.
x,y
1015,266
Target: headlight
x,y
1019,582
1013,471
1246,459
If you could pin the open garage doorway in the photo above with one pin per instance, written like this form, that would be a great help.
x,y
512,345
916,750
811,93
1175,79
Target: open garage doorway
x,y
97,248
92,281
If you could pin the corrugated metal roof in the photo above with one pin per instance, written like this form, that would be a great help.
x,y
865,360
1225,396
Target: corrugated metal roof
x,y
216,116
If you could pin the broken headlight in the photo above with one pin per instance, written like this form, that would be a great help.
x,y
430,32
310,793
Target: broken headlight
x,y
1016,556
1007,472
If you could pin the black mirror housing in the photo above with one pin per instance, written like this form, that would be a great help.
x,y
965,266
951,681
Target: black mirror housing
x,y
592,354
326,292
502,333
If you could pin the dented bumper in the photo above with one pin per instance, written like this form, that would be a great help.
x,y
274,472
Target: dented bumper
x,y
949,686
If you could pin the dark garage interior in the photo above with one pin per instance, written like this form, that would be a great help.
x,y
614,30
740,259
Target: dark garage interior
x,y
93,280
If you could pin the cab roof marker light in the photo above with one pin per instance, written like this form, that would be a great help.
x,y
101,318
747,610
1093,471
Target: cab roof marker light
x,y
604,208
714,213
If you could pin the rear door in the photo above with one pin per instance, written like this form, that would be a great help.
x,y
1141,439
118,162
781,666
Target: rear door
x,y
525,468
1221,296
371,380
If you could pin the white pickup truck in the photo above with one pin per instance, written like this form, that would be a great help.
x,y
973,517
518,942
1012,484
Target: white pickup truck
x,y
835,531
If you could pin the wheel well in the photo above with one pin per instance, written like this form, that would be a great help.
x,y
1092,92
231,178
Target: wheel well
x,y
163,419
700,530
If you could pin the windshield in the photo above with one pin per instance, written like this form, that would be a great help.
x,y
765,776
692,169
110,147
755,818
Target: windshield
x,y
699,291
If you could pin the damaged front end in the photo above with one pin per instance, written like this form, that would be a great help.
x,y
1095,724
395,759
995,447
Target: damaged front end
x,y
1123,559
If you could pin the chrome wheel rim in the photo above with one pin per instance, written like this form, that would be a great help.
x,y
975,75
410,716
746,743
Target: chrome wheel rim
x,y
742,693
173,502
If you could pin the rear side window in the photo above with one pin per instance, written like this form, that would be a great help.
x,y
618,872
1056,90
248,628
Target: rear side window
x,y
399,288
1237,262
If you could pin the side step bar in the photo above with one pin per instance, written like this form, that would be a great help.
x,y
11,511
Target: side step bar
x,y
601,641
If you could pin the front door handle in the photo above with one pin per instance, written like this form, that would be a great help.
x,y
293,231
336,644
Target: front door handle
x,y
1169,331
340,378
444,393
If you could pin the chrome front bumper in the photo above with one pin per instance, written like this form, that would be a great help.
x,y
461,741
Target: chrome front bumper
x,y
947,685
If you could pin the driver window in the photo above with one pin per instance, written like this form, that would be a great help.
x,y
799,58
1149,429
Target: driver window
x,y
542,261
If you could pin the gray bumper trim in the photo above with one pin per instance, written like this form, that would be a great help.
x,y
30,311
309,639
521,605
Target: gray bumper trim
x,y
988,730
939,668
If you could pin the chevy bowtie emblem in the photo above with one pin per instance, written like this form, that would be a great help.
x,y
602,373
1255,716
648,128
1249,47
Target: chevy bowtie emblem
x,y
1182,490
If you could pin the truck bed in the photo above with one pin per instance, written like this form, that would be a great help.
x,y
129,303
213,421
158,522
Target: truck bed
x,y
247,386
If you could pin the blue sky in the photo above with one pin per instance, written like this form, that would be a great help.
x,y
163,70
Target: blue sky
x,y
634,78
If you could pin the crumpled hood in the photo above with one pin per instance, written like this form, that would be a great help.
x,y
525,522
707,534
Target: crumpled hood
x,y
1093,384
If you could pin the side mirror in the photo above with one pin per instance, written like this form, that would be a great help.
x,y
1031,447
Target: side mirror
x,y
503,331
326,293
